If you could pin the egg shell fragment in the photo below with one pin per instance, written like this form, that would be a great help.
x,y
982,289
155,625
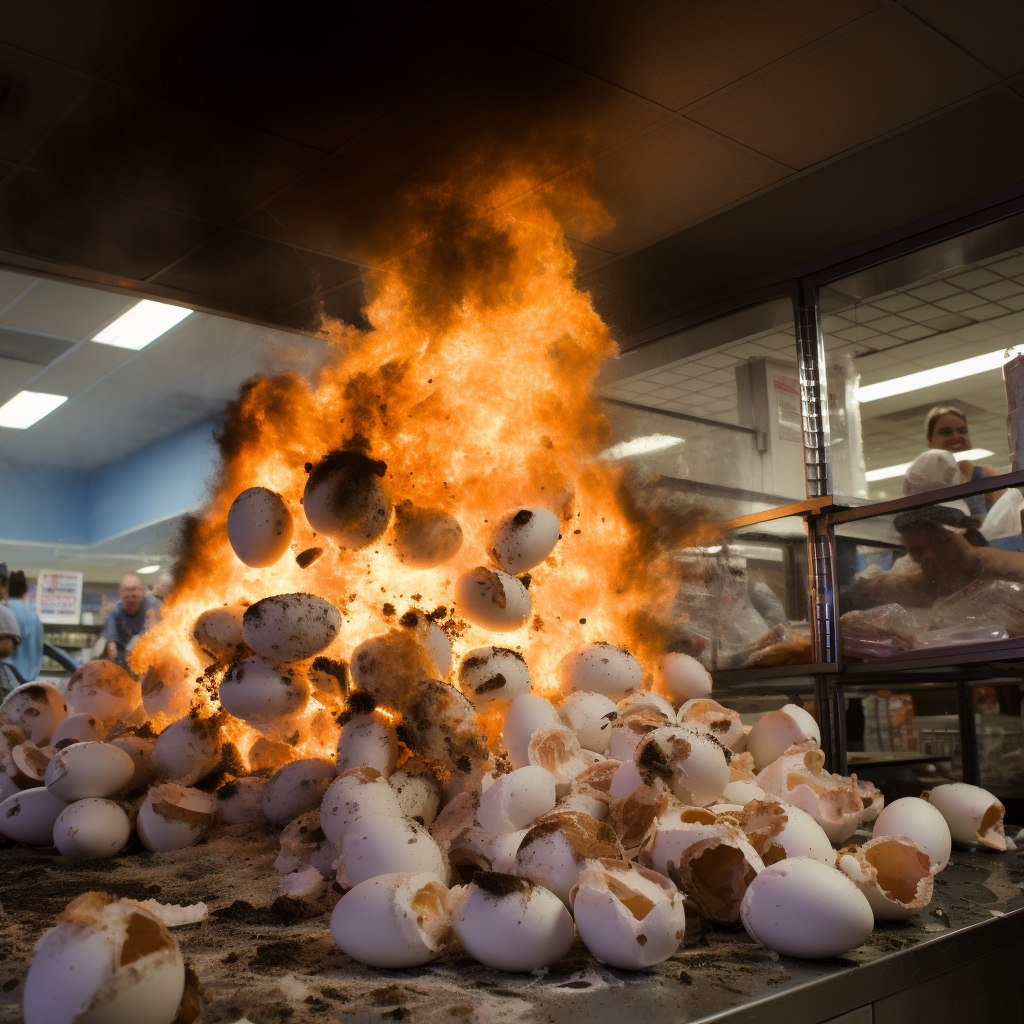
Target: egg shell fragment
x,y
259,527
382,844
401,919
681,678
290,627
509,924
590,716
773,734
515,800
492,599
173,817
105,963
974,815
28,817
600,668
218,634
259,691
524,716
895,875
88,769
493,673
802,908
296,787
37,709
91,828
920,821
355,794
524,538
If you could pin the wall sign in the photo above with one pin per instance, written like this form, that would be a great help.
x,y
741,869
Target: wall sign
x,y
59,597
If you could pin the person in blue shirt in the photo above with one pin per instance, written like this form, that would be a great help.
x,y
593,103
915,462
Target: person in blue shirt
x,y
132,615
10,637
28,656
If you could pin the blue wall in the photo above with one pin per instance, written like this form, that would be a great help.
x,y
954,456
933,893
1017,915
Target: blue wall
x,y
68,507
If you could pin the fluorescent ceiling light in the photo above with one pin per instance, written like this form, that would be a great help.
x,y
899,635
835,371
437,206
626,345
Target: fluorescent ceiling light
x,y
148,569
887,472
640,446
28,407
143,323
937,375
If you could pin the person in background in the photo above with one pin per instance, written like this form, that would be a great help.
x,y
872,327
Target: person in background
x,y
133,614
10,637
4,577
945,427
28,658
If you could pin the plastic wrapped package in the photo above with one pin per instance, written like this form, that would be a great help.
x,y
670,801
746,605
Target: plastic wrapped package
x,y
980,607
781,645
1003,519
878,632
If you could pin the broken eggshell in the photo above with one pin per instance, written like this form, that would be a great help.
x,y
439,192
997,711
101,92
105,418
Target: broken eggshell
x,y
290,627
37,709
259,527
523,539
600,668
173,817
974,816
492,599
527,713
401,919
493,673
723,723
774,733
895,875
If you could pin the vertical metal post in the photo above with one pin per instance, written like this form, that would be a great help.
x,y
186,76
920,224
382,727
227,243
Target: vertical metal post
x,y
810,354
968,733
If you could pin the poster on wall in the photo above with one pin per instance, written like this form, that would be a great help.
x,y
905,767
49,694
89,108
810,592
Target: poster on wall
x,y
59,597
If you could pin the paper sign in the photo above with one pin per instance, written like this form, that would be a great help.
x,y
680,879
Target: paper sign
x,y
59,597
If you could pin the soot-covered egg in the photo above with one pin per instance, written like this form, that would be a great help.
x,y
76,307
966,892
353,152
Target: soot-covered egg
x,y
692,763
259,527
425,537
510,924
601,668
88,769
973,814
590,716
187,750
525,715
105,963
355,794
800,907
105,690
28,817
418,789
383,844
433,638
723,723
368,741
91,828
218,633
173,817
492,599
37,709
917,819
296,787
241,800
628,916
401,919
493,673
290,627
682,678
524,538
774,733
259,691
344,498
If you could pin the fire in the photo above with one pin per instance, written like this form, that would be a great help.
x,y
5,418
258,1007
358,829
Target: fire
x,y
473,384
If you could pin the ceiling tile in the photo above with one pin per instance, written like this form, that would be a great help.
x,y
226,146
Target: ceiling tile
x,y
70,223
80,35
31,348
669,177
12,285
875,77
82,367
154,150
65,310
675,53
255,272
990,30
32,95
14,373
316,79
494,15
345,303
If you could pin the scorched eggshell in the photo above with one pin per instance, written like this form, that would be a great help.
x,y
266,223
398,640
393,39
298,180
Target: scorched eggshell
x,y
601,668
524,538
173,817
38,709
290,627
344,499
492,599
493,673
259,527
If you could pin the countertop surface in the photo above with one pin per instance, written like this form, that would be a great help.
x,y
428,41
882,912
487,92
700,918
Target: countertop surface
x,y
266,958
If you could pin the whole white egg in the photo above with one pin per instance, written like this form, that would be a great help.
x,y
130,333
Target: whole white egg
x,y
513,801
917,819
259,691
510,924
35,708
895,875
432,637
78,729
401,919
28,817
773,734
105,963
803,908
295,788
425,537
682,678
105,690
368,741
527,713
493,673
492,599
140,750
218,633
259,527
524,538
290,627
91,828
382,844
344,498
241,800
173,817
601,668
418,789
691,762
628,916
973,814
187,750
88,769
356,794
590,716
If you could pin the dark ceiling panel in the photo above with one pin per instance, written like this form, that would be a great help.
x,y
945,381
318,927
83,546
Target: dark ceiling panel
x,y
990,30
154,150
81,35
495,14
255,273
317,77
343,303
878,76
840,204
30,348
47,217
675,53
32,94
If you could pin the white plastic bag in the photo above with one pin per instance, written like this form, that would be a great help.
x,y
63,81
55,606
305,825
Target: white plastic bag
x,y
1003,519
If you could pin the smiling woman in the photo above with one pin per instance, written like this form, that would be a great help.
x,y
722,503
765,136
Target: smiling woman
x,y
946,429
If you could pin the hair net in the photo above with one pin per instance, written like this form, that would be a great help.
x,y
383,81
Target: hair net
x,y
932,470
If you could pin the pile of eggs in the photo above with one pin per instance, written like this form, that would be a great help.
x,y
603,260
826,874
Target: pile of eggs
x,y
607,810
